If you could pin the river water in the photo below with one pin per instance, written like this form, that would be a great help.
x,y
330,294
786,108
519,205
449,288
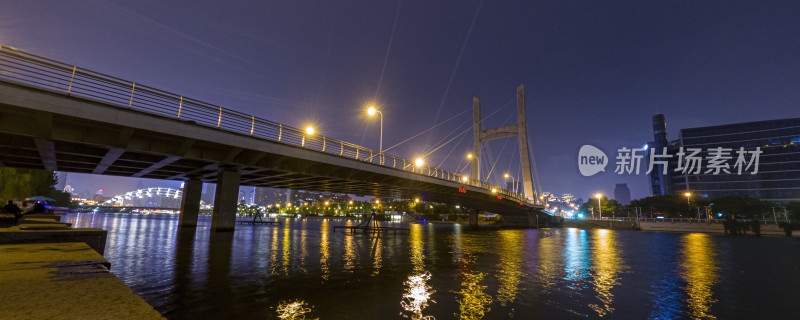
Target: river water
x,y
303,269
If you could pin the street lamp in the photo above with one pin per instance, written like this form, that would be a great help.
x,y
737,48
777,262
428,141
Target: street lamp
x,y
599,205
464,179
419,162
513,182
689,204
371,111
309,130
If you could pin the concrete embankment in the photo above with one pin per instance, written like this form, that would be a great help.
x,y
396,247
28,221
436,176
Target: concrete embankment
x,y
64,281
48,228
601,224
706,227
669,226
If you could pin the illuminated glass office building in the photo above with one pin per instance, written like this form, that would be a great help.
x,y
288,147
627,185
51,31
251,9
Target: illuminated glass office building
x,y
778,176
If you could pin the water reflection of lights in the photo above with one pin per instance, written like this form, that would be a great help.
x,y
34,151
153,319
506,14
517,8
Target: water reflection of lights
x,y
377,244
287,252
510,265
576,258
323,249
416,244
699,270
607,266
417,295
294,310
303,250
549,262
349,250
474,302
273,251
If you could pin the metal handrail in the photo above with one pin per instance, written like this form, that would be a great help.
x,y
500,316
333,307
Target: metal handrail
x,y
40,72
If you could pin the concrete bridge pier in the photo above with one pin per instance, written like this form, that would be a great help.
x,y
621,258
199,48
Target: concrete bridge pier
x,y
223,217
533,219
473,218
190,204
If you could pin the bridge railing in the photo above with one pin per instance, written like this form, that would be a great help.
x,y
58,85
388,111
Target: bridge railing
x,y
36,71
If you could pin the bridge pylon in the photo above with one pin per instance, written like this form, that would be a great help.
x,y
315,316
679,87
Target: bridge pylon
x,y
518,130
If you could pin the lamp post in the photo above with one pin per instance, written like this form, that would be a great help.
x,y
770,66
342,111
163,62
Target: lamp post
x,y
513,182
689,204
475,169
599,205
371,111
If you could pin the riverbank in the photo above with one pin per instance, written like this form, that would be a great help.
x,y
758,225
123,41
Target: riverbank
x,y
64,280
671,226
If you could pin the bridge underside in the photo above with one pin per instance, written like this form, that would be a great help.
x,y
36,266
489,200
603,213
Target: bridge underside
x,y
45,130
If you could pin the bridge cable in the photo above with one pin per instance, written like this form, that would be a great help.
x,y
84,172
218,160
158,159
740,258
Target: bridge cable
x,y
462,134
499,154
426,130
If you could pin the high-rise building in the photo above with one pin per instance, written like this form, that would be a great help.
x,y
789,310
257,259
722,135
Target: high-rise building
x,y
659,182
61,180
778,169
622,194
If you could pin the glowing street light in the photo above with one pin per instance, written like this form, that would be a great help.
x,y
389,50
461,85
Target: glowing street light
x,y
513,182
599,206
464,179
419,162
371,111
688,204
377,201
326,203
469,156
494,190
309,130
416,200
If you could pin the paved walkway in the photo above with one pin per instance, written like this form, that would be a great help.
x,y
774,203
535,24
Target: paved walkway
x,y
64,281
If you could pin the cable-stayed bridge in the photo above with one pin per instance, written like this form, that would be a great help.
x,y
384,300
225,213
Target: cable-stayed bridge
x,y
58,117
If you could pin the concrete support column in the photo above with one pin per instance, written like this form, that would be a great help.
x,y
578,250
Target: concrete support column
x,y
473,219
533,219
190,204
224,215
476,139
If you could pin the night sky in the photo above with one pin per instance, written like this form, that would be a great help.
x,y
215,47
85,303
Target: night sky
x,y
594,71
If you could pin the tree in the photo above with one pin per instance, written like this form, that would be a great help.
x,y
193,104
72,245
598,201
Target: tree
x,y
20,184
793,208
610,208
741,206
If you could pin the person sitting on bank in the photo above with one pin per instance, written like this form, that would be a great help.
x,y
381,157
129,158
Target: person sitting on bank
x,y
38,208
12,208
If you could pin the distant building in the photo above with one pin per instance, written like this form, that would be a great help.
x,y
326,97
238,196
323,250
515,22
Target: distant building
x,y
622,194
208,193
659,182
778,176
61,181
514,186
